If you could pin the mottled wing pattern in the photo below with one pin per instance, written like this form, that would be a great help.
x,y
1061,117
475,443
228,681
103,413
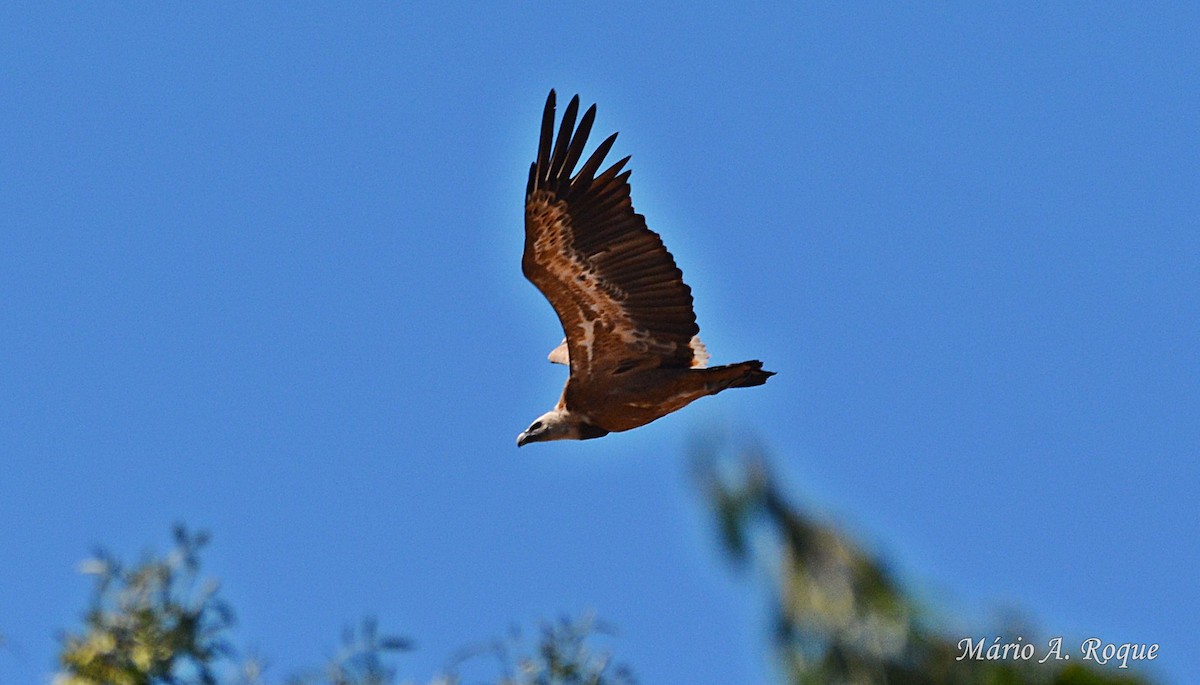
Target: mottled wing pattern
x,y
700,357
620,297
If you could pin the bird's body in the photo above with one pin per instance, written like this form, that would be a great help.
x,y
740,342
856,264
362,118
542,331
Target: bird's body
x,y
631,333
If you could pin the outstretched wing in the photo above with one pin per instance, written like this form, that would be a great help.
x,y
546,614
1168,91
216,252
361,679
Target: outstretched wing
x,y
620,297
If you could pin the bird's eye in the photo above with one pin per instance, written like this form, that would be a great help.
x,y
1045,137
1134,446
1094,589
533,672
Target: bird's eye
x,y
537,426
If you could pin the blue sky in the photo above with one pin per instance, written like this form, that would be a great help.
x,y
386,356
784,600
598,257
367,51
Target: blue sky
x,y
259,272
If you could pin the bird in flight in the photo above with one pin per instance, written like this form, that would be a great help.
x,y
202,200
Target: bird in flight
x,y
631,334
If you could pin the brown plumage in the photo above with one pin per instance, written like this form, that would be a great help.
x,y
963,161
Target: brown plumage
x,y
631,333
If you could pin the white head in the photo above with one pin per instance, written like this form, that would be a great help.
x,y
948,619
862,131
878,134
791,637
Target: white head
x,y
559,424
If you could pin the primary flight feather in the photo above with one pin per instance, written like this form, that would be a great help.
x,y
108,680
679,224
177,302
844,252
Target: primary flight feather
x,y
631,333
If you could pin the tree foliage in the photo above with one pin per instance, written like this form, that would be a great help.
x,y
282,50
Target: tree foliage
x,y
149,624
158,623
838,614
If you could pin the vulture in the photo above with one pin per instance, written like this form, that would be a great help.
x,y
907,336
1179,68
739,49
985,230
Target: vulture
x,y
630,331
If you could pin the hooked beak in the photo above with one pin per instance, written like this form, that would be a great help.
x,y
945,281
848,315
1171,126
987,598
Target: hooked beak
x,y
522,438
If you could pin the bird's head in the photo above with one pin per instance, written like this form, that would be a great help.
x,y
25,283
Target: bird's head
x,y
559,425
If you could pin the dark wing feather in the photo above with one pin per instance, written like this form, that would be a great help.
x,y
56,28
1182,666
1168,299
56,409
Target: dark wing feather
x,y
617,291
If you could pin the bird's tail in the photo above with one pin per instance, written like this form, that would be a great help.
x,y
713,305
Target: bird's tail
x,y
740,375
